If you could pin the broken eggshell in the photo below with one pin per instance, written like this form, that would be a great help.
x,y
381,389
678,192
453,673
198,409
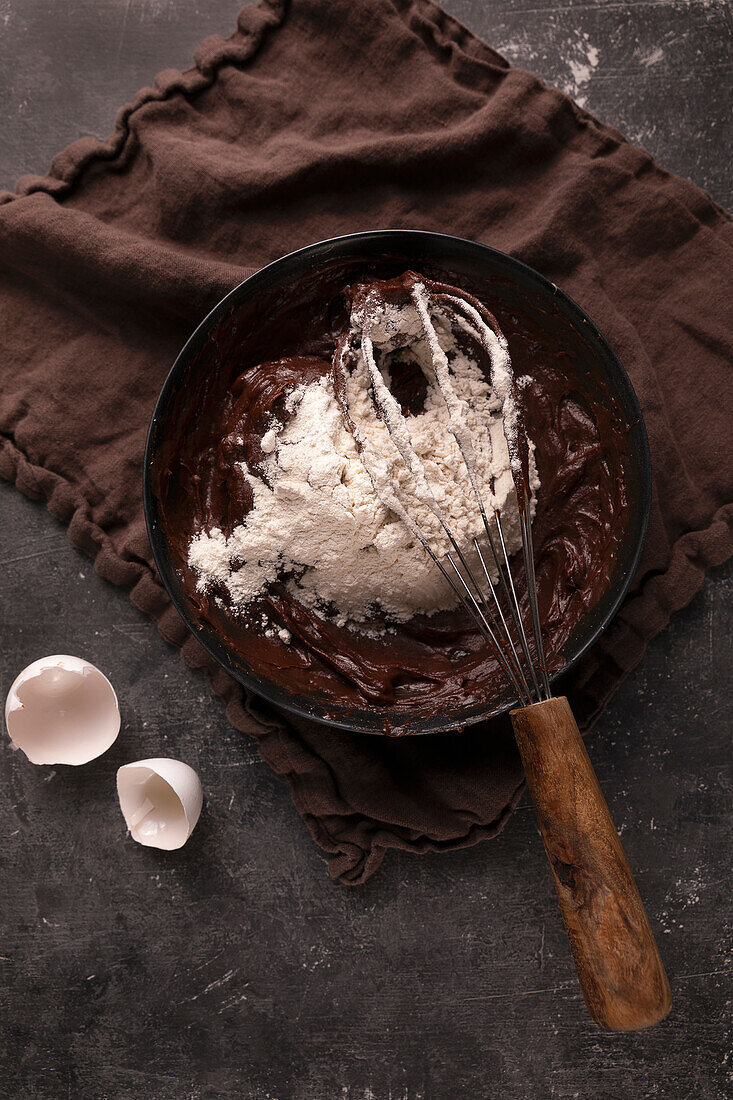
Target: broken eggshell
x,y
160,800
62,710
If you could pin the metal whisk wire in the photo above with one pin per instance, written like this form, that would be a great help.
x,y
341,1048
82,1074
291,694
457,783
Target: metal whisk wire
x,y
498,625
479,329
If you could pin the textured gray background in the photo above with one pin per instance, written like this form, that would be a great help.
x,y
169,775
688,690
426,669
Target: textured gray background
x,y
235,968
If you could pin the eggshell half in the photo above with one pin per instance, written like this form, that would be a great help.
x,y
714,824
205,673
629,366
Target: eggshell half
x,y
160,801
62,710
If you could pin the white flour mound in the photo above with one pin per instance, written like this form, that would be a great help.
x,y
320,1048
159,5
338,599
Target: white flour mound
x,y
318,522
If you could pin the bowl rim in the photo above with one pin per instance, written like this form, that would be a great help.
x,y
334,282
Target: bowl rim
x,y
299,261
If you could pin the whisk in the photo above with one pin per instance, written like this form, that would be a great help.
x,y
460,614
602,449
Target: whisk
x,y
620,971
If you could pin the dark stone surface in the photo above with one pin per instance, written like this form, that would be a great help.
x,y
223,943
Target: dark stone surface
x,y
235,968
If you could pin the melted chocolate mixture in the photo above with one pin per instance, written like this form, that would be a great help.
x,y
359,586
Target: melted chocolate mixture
x,y
430,665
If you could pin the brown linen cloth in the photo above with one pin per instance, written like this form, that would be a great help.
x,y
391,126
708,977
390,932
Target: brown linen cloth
x,y
315,119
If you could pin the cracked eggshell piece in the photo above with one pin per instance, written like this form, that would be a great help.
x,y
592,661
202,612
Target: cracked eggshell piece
x,y
160,801
62,710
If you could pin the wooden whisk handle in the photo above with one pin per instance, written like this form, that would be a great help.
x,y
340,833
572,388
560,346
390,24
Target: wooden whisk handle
x,y
620,971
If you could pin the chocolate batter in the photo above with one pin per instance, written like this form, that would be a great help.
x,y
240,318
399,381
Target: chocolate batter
x,y
430,665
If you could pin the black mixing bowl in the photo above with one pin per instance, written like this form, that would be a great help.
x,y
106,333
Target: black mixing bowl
x,y
324,268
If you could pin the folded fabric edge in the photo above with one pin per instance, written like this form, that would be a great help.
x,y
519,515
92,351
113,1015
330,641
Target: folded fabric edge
x,y
648,613
254,22
434,21
352,865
